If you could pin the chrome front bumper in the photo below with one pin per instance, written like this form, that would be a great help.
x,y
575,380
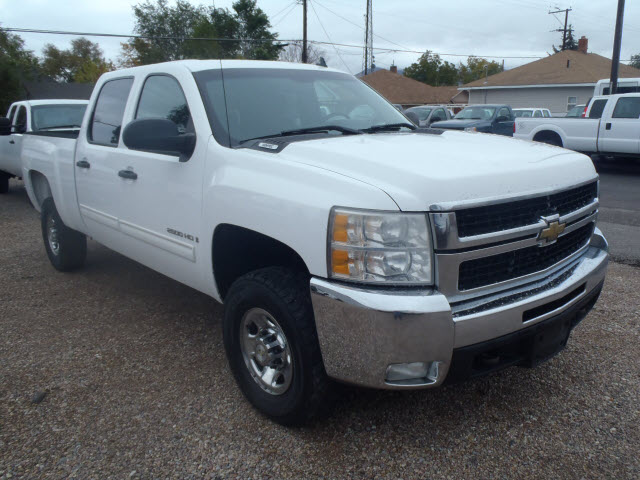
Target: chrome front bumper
x,y
364,331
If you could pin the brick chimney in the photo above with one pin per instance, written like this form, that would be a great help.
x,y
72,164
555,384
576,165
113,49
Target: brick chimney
x,y
393,68
583,44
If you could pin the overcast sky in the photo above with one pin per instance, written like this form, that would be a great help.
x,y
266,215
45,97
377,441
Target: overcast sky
x,y
500,28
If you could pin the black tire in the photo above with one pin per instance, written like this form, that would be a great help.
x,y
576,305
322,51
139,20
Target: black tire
x,y
285,296
4,182
71,250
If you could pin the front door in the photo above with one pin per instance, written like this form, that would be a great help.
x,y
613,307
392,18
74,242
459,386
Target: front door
x,y
621,132
160,204
11,145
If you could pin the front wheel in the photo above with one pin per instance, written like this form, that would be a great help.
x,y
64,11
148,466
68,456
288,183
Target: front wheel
x,y
272,346
66,248
4,182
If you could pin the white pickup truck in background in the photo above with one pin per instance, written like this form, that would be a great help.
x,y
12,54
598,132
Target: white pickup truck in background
x,y
345,243
611,127
33,116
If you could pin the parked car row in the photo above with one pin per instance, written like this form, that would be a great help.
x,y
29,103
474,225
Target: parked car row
x,y
345,242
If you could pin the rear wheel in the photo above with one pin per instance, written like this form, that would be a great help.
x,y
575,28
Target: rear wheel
x,y
66,248
272,346
4,182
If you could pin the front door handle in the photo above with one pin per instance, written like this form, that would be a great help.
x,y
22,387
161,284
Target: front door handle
x,y
83,164
608,126
12,142
129,174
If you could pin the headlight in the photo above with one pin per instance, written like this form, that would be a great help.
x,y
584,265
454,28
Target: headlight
x,y
471,129
380,247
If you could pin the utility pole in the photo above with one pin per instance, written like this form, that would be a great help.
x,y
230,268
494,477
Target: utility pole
x,y
617,42
367,62
563,30
304,31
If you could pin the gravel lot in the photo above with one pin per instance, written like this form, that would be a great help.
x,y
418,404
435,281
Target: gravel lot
x,y
118,372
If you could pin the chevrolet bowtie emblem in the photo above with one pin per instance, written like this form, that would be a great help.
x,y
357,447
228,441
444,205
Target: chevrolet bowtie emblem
x,y
551,233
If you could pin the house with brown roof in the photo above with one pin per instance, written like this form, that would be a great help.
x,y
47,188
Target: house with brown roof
x,y
557,82
408,92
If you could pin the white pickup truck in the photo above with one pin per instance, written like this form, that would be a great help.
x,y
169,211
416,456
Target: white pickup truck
x,y
345,243
30,116
611,127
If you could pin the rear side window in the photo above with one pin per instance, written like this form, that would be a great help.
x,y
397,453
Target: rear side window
x,y
537,114
547,113
21,120
162,97
106,122
597,108
627,108
439,115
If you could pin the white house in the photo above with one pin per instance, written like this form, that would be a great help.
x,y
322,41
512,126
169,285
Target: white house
x,y
557,82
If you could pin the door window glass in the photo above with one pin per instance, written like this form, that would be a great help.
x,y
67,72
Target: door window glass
x,y
547,113
537,114
628,107
162,97
597,108
504,112
439,115
106,122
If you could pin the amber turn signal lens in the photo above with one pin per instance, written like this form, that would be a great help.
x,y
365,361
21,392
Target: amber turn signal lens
x,y
340,262
340,222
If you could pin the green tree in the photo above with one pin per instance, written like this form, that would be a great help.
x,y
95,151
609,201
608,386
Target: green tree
x,y
16,65
477,68
570,43
432,70
166,31
83,62
635,61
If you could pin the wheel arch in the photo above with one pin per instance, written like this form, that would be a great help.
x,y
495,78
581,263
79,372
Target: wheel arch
x,y
237,251
38,188
547,135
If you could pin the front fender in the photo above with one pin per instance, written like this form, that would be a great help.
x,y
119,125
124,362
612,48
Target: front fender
x,y
287,201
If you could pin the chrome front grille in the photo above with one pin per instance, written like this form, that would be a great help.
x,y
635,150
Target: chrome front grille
x,y
504,252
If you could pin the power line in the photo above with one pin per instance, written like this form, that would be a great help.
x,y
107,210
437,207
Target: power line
x,y
328,37
259,40
291,7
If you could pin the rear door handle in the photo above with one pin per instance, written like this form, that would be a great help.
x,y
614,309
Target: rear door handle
x,y
83,164
12,142
608,126
131,175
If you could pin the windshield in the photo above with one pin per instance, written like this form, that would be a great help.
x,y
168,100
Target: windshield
x,y
423,113
266,102
523,113
476,113
44,117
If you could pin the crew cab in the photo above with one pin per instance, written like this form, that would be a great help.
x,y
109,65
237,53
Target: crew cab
x,y
33,116
496,119
345,243
532,112
611,127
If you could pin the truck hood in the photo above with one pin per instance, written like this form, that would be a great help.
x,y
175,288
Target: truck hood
x,y
430,171
459,124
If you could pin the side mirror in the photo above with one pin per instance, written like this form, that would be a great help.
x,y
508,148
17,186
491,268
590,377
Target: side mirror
x,y
159,135
5,126
502,118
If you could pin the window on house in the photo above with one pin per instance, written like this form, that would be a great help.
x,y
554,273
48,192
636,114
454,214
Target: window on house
x,y
571,102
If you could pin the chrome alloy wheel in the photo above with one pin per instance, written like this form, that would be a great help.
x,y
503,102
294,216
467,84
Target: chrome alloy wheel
x,y
52,235
266,352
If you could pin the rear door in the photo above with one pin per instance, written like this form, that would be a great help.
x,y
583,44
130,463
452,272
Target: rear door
x,y
12,145
4,141
99,155
620,129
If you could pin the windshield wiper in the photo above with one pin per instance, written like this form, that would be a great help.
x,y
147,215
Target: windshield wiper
x,y
59,126
300,131
388,127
